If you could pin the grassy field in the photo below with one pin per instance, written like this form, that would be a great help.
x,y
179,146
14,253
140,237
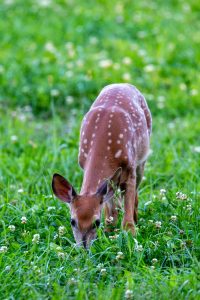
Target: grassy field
x,y
55,56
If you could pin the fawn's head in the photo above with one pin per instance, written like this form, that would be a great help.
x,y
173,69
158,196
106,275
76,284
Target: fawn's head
x,y
85,209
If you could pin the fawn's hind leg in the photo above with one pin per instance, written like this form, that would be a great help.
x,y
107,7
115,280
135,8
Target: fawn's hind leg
x,y
129,204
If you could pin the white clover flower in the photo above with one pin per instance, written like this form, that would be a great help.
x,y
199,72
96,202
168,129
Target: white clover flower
x,y
69,73
58,248
173,218
105,63
23,220
69,99
154,260
120,255
109,220
196,149
100,266
169,233
49,46
142,52
11,228
183,86
28,108
150,221
103,271
36,238
93,40
55,93
44,3
193,92
189,207
61,255
162,192
158,224
149,68
139,248
51,208
80,63
76,270
113,237
119,8
61,230
72,281
71,52
183,244
126,76
171,125
161,98
20,191
127,60
7,268
3,249
22,117
181,196
55,236
14,138
152,267
128,294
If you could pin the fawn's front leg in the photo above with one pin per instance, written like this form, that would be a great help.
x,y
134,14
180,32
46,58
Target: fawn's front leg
x,y
129,204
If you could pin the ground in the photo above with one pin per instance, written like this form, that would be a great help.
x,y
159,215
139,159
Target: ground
x,y
55,58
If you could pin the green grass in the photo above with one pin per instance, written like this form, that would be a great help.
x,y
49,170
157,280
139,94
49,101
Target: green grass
x,y
51,70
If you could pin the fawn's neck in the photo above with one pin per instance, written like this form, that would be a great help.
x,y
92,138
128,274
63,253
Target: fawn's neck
x,y
95,171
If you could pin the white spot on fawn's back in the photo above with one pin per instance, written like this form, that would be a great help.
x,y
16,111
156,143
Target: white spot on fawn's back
x,y
118,153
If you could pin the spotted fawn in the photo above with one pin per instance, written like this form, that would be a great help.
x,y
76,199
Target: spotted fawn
x,y
114,146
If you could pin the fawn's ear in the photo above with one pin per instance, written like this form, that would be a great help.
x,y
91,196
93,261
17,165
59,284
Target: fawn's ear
x,y
107,188
62,188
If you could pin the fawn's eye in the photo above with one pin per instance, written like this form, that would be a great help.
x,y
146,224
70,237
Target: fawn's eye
x,y
96,223
73,222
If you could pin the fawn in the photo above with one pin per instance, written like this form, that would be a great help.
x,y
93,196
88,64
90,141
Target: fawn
x,y
114,145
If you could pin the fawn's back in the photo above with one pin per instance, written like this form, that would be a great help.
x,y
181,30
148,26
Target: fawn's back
x,y
115,132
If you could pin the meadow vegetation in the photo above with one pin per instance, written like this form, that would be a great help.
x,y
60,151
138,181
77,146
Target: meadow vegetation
x,y
55,57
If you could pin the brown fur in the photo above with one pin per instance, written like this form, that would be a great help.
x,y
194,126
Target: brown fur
x,y
114,136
